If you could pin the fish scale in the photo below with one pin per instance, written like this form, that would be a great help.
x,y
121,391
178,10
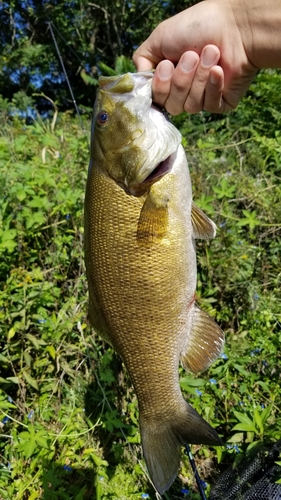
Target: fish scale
x,y
140,226
135,301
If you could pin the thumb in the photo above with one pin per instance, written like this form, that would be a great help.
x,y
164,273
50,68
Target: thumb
x,y
143,63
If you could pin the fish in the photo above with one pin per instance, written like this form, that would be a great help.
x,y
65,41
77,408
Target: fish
x,y
140,230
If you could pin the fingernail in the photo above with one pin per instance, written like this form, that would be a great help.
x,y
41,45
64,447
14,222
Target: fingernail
x,y
214,79
188,61
165,70
209,56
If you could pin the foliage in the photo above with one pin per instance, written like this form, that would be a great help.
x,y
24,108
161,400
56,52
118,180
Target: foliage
x,y
68,414
88,34
235,168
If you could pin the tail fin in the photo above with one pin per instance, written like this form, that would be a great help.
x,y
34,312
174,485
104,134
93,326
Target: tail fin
x,y
162,441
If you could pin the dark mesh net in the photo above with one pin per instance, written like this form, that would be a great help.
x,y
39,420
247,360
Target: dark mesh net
x,y
251,478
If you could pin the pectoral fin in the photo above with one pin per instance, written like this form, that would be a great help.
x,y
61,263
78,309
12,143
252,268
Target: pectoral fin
x,y
205,343
153,220
203,227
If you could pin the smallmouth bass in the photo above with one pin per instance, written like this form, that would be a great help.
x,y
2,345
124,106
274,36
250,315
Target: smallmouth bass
x,y
140,227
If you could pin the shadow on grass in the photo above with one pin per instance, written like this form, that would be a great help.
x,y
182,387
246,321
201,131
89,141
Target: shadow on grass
x,y
73,483
67,483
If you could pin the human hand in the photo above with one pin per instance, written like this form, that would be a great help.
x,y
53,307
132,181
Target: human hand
x,y
200,59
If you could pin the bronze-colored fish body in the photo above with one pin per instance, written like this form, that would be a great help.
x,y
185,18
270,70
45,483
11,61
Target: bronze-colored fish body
x,y
140,226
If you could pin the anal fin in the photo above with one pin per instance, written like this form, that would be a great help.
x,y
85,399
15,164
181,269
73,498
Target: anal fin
x,y
203,227
204,344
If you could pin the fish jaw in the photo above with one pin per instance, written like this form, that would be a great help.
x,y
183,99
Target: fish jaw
x,y
138,144
161,169
161,141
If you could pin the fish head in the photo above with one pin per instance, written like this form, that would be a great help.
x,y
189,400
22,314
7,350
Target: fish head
x,y
133,142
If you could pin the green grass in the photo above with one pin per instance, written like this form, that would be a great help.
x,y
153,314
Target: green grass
x,y
68,414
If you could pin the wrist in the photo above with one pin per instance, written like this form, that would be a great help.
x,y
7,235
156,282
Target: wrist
x,y
259,24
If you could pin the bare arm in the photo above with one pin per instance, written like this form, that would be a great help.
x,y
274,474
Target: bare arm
x,y
207,55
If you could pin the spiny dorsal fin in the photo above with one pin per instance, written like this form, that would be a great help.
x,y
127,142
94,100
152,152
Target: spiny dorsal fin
x,y
203,227
205,343
153,220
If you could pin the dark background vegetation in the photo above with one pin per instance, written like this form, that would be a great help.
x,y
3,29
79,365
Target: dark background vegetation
x,y
89,35
68,414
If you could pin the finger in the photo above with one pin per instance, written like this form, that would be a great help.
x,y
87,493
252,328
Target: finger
x,y
162,82
181,82
149,54
209,57
143,63
213,99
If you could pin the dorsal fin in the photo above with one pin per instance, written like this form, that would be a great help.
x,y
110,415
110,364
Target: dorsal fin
x,y
203,227
204,344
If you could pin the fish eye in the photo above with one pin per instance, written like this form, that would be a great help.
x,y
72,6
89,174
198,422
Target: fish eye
x,y
102,118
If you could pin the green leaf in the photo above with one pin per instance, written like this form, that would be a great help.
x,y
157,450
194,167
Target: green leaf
x,y
36,218
3,359
33,340
266,413
258,420
240,369
27,358
236,438
245,427
250,219
8,235
192,382
263,385
15,380
51,350
38,202
5,405
89,80
27,443
34,495
8,245
98,461
206,204
30,380
203,144
21,194
106,70
246,423
43,441
224,189
11,333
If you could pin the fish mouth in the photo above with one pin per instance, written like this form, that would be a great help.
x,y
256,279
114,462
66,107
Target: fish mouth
x,y
163,168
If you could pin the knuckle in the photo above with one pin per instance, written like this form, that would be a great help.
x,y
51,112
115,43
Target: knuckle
x,y
159,99
212,104
173,109
211,108
201,76
192,105
160,95
180,86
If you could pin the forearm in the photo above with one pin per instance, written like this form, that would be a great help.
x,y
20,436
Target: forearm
x,y
259,23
